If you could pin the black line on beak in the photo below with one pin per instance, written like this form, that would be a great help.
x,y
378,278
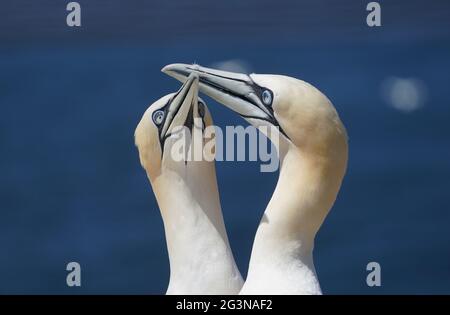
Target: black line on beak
x,y
163,138
255,87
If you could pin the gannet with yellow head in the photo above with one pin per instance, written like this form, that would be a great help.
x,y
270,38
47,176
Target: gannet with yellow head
x,y
312,143
201,261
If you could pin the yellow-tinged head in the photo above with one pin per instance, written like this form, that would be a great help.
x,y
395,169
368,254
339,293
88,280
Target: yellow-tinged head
x,y
163,123
304,116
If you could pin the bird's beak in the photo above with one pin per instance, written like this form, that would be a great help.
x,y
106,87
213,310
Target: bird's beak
x,y
179,109
234,90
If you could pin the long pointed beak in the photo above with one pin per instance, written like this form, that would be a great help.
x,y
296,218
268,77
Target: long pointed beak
x,y
180,106
234,90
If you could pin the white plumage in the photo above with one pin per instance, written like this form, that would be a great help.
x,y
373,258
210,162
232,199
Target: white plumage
x,y
201,261
313,148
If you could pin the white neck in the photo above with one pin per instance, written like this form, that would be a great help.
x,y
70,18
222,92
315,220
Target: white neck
x,y
201,261
281,260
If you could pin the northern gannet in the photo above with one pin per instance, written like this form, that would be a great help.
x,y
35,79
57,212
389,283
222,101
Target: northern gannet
x,y
313,159
201,261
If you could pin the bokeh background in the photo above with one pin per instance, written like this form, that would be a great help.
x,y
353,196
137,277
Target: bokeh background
x,y
71,186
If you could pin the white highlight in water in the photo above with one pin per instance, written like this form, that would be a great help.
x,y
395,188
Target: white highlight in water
x,y
404,94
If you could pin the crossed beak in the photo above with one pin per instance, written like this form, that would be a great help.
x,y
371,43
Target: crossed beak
x,y
234,90
179,109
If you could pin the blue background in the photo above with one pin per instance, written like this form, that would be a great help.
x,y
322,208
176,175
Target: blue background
x,y
71,186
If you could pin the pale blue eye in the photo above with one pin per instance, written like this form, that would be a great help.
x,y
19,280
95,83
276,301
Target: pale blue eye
x,y
158,117
267,97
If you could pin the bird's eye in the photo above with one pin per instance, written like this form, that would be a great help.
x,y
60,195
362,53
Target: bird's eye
x,y
267,97
201,109
158,117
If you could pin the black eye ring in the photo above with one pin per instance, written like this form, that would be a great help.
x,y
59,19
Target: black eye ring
x,y
158,117
201,109
267,97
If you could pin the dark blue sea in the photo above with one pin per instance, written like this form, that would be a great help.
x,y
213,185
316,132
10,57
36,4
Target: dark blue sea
x,y
72,188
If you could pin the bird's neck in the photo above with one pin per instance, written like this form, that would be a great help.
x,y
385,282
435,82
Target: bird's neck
x,y
306,190
199,252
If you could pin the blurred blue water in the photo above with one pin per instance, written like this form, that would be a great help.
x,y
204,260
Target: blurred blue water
x,y
72,188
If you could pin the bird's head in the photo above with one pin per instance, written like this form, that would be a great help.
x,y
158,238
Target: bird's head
x,y
303,115
164,122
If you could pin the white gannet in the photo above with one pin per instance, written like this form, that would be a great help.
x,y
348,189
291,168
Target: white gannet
x,y
201,261
313,159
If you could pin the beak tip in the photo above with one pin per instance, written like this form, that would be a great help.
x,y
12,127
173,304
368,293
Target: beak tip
x,y
165,69
174,67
